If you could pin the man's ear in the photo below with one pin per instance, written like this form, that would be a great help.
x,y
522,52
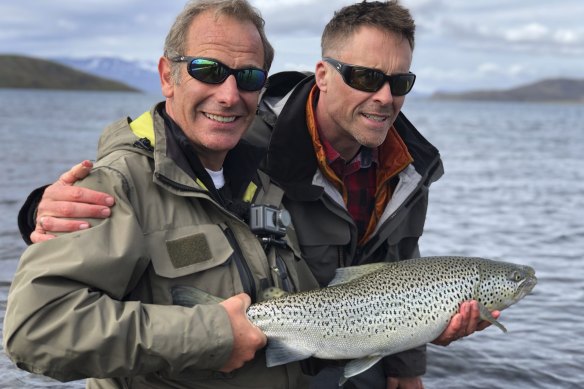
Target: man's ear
x,y
166,79
321,74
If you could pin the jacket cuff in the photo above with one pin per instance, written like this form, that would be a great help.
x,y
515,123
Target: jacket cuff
x,y
211,339
410,363
27,214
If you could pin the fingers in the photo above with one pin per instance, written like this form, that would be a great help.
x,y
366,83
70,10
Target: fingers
x,y
484,324
62,202
392,383
247,338
473,317
53,224
405,383
48,224
474,320
64,209
464,323
39,235
59,216
76,194
452,331
76,173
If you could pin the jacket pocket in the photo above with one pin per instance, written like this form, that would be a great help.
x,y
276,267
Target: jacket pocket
x,y
186,250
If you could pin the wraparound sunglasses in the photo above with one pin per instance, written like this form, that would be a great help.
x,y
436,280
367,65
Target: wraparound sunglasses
x,y
371,80
211,71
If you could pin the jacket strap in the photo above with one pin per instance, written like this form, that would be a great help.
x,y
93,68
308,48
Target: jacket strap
x,y
270,194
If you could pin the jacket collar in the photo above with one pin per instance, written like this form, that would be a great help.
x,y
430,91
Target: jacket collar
x,y
172,149
290,158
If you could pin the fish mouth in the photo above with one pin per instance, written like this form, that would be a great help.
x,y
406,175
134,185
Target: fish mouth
x,y
526,286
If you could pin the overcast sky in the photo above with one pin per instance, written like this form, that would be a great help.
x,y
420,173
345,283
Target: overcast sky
x,y
460,44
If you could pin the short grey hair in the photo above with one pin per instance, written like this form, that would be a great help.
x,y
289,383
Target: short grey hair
x,y
242,10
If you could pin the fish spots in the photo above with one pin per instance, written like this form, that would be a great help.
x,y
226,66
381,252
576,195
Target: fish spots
x,y
396,307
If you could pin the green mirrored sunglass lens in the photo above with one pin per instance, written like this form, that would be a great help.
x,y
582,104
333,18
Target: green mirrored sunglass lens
x,y
251,79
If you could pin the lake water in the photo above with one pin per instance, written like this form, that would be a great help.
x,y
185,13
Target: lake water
x,y
513,190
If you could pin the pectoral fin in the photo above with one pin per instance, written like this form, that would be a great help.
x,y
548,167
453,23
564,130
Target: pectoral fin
x,y
486,315
278,353
357,366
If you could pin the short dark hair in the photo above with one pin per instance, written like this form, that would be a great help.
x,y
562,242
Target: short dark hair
x,y
388,16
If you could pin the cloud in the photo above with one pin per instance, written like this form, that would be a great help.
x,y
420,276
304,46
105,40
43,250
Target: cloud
x,y
534,26
464,77
298,17
473,40
490,69
530,33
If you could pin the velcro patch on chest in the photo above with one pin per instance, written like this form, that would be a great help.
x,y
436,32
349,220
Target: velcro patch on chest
x,y
188,250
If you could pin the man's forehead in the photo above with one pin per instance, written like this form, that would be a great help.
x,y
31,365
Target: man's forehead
x,y
377,48
224,34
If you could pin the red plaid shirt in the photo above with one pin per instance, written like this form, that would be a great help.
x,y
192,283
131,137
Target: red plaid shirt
x,y
359,179
366,182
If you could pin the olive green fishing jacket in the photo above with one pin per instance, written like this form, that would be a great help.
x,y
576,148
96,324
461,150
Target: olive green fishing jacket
x,y
97,303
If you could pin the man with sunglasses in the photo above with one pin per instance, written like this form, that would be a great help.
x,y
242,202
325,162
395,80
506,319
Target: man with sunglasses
x,y
99,304
354,170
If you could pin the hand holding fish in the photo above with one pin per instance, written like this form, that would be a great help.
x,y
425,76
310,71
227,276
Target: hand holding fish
x,y
247,338
374,310
464,323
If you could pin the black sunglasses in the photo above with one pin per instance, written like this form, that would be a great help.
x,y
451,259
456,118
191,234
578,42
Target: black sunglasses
x,y
371,80
211,71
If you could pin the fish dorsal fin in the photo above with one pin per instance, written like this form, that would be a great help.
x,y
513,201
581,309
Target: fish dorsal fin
x,y
350,273
279,353
357,366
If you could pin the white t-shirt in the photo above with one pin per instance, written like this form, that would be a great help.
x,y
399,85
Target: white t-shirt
x,y
217,177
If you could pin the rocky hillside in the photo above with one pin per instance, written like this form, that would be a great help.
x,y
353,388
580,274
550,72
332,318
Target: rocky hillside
x,y
26,72
552,90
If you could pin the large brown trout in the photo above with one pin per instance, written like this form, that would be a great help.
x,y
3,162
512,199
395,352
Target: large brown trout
x,y
370,311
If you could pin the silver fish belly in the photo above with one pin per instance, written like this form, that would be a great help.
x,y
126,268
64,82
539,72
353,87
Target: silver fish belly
x,y
372,311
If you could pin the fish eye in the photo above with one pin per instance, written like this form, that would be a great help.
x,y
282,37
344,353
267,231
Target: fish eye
x,y
516,276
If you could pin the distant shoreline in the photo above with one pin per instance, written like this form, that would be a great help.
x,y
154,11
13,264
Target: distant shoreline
x,y
21,72
562,90
15,89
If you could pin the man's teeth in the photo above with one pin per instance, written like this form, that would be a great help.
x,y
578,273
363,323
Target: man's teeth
x,y
222,119
377,118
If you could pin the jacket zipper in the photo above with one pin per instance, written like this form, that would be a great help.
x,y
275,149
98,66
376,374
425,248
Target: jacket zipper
x,y
282,272
244,271
242,266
